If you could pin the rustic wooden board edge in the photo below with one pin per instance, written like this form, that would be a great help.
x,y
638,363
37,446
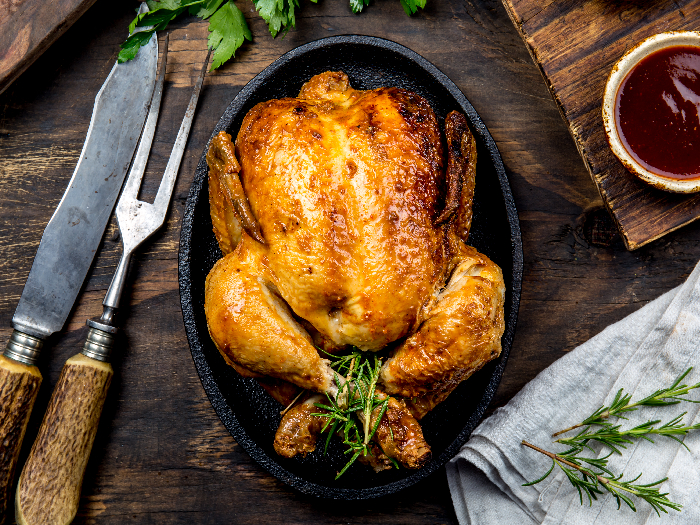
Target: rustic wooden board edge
x,y
630,245
631,237
55,31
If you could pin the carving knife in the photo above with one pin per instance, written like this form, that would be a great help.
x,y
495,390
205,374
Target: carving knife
x,y
48,491
69,243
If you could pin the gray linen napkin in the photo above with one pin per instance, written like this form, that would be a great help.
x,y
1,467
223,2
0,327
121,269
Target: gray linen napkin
x,y
645,351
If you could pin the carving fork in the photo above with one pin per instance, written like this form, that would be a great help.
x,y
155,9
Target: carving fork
x,y
50,483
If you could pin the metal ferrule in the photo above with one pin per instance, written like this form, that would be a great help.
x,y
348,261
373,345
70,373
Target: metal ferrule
x,y
24,348
100,341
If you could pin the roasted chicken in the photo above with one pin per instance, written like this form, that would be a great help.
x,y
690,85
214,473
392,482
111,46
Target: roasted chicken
x,y
341,226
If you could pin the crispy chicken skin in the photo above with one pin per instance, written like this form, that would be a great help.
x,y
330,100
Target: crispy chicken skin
x,y
398,436
345,186
253,327
299,429
341,223
461,333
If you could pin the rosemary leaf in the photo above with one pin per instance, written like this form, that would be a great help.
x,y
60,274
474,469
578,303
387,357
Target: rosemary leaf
x,y
349,414
671,395
592,483
615,438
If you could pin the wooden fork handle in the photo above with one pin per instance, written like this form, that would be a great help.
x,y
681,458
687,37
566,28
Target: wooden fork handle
x,y
19,386
50,483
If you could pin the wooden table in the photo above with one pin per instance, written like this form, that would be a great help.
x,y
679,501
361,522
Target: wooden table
x,y
162,455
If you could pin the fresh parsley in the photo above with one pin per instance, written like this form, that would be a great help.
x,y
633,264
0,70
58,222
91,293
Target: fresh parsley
x,y
279,14
227,25
411,6
358,5
227,31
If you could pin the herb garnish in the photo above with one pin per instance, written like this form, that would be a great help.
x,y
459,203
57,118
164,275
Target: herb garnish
x,y
622,403
594,473
614,438
227,26
350,414
592,483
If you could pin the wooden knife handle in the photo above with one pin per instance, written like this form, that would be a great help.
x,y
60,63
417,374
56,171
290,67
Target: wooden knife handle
x,y
19,386
49,486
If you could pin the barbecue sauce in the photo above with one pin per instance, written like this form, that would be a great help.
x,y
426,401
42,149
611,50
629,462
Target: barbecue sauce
x,y
657,112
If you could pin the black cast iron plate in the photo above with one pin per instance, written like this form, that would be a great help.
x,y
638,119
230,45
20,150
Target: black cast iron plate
x,y
246,410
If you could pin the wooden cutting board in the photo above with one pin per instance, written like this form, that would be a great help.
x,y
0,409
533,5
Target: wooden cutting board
x,y
28,28
576,43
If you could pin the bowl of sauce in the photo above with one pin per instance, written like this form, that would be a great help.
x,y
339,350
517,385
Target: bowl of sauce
x,y
651,110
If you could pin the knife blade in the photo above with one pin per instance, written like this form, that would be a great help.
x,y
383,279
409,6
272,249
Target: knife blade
x,y
69,243
48,491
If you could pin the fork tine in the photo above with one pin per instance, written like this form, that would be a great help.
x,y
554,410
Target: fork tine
x,y
138,167
167,183
138,220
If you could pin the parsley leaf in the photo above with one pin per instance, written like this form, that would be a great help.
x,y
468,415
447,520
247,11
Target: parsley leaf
x,y
227,26
279,14
133,44
228,30
411,6
161,13
358,5
163,4
206,10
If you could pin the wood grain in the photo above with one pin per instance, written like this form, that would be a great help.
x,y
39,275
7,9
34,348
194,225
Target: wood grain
x,y
49,486
19,386
161,455
576,44
28,28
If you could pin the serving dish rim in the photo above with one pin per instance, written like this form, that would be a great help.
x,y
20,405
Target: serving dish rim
x,y
211,387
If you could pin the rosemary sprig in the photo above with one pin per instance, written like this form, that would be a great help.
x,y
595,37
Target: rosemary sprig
x,y
622,403
614,438
592,483
591,476
350,413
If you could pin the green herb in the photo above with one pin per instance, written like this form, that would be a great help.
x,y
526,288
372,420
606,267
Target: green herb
x,y
133,44
358,5
205,10
411,6
591,483
228,30
279,14
227,24
350,413
622,403
614,438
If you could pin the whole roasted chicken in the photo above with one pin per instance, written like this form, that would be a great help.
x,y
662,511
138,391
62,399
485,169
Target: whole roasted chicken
x,y
343,225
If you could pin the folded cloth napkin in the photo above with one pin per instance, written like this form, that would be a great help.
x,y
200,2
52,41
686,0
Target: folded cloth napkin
x,y
645,351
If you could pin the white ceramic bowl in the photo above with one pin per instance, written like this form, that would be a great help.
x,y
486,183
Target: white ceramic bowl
x,y
617,76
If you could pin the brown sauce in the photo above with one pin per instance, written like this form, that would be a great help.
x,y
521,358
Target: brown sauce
x,y
657,112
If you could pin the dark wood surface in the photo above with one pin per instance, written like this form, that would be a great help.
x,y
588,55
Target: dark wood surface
x,y
28,28
161,455
576,43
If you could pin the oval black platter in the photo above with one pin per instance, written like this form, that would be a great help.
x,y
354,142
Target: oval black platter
x,y
246,410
